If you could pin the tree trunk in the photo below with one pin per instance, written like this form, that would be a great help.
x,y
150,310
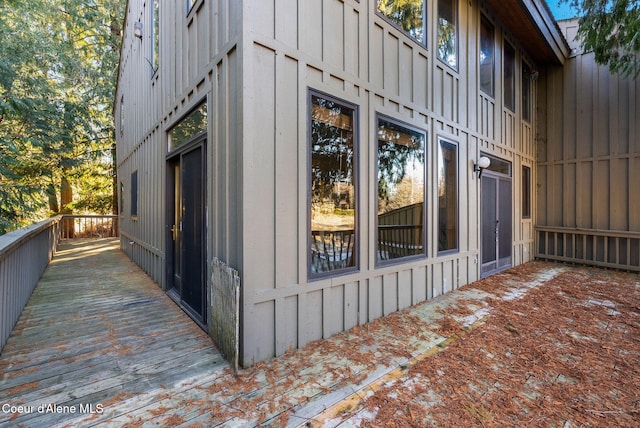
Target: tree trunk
x,y
66,198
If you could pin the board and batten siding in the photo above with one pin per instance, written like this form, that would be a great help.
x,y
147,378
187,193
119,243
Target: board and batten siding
x,y
589,160
198,62
345,49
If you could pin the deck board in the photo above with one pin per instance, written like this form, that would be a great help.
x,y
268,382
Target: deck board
x,y
97,330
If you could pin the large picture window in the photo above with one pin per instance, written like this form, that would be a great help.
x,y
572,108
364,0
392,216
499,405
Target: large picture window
x,y
487,57
401,174
447,196
509,79
333,193
410,16
447,33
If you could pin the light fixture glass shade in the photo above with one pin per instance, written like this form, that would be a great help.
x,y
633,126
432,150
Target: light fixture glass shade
x,y
484,162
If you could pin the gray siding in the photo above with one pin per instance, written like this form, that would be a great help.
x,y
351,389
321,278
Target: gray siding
x,y
589,152
199,61
345,49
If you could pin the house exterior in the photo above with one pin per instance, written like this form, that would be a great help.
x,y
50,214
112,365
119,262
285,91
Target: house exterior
x,y
328,151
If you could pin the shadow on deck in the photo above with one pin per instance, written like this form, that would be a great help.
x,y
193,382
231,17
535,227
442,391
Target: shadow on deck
x,y
97,331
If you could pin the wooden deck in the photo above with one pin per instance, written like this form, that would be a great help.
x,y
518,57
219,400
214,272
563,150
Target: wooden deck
x,y
98,342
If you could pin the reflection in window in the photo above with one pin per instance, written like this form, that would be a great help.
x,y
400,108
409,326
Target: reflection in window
x,y
447,37
509,70
155,36
400,191
526,92
526,192
409,15
333,192
191,126
447,196
487,49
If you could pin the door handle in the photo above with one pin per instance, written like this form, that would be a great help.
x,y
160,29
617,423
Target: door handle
x,y
174,232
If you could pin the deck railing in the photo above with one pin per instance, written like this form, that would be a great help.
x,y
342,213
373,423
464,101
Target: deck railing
x,y
25,254
88,226
604,248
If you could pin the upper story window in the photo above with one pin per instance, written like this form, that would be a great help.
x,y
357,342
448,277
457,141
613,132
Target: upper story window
x,y
526,92
332,181
401,177
448,33
509,76
487,57
155,35
410,16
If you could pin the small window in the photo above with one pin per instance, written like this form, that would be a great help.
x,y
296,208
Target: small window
x,y
526,192
401,177
121,198
447,33
487,57
509,80
447,196
193,125
134,194
121,121
190,4
410,16
332,182
526,92
155,36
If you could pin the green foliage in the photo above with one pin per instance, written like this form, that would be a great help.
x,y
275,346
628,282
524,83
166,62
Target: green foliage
x,y
57,78
611,30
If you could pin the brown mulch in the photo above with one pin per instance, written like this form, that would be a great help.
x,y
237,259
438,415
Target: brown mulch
x,y
566,354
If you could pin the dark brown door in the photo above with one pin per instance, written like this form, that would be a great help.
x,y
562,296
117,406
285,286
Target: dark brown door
x,y
188,231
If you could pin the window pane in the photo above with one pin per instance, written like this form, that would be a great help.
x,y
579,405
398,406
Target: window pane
x,y
509,77
526,92
447,37
134,194
447,196
526,192
155,37
333,193
400,191
406,14
487,56
191,126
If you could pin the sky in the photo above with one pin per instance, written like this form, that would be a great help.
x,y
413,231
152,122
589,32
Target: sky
x,y
562,10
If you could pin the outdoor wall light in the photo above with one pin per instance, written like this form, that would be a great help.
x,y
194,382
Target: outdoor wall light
x,y
482,163
137,29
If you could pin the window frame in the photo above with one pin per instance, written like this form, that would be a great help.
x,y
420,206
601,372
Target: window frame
x,y
134,194
405,259
492,27
454,12
526,192
526,92
425,25
315,276
511,103
155,36
456,249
